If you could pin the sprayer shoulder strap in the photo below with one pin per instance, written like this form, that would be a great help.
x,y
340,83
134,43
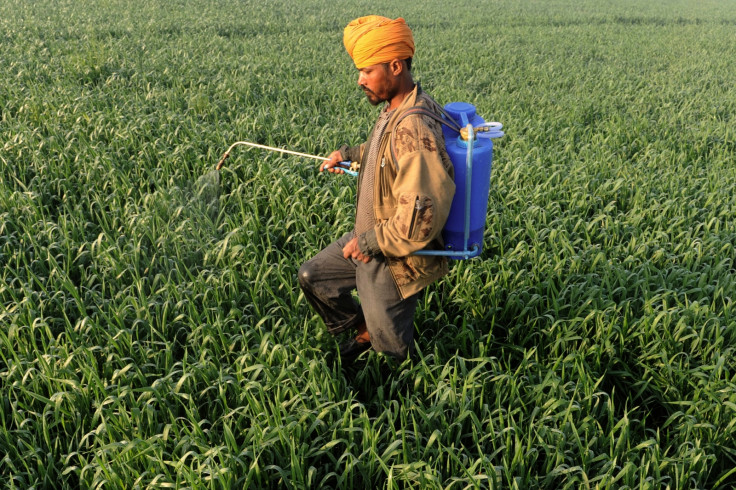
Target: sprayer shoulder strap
x,y
423,111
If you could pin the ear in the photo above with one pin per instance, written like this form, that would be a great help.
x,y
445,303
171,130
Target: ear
x,y
396,67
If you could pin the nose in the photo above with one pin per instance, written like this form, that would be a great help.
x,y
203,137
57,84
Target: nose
x,y
361,80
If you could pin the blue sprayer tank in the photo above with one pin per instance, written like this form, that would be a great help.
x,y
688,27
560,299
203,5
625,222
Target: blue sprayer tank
x,y
482,156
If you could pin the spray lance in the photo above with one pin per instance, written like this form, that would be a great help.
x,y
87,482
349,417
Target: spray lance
x,y
347,167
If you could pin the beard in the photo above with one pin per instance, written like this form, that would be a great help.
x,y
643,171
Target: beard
x,y
372,97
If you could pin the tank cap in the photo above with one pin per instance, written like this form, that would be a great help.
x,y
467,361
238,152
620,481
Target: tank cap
x,y
457,108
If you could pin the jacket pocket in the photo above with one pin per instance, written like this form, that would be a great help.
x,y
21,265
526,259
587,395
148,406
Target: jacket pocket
x,y
404,273
385,176
415,212
415,220
422,219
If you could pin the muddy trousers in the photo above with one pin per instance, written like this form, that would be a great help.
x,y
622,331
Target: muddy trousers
x,y
328,280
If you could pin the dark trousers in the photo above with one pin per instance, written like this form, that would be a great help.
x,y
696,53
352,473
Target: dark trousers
x,y
328,280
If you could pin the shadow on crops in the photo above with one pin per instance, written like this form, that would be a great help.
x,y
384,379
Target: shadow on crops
x,y
640,396
376,379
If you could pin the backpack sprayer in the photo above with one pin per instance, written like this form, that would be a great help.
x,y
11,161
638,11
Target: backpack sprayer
x,y
468,143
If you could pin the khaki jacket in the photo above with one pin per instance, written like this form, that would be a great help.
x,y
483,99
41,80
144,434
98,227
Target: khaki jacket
x,y
412,195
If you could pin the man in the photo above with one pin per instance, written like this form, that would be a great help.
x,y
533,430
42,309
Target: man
x,y
405,188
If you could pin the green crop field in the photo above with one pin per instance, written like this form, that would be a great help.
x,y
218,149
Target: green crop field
x,y
152,331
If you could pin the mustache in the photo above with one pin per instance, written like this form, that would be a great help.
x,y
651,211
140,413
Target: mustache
x,y
366,90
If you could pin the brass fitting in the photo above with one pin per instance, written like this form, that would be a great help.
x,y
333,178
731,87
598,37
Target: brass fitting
x,y
464,132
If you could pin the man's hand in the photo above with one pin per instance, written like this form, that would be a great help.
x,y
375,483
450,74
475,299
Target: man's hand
x,y
351,249
331,162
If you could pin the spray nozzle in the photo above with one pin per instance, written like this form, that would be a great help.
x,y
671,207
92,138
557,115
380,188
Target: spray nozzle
x,y
222,160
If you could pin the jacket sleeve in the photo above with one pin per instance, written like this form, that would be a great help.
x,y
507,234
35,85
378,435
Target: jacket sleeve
x,y
352,153
423,191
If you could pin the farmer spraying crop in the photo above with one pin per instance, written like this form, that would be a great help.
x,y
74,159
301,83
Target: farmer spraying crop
x,y
405,189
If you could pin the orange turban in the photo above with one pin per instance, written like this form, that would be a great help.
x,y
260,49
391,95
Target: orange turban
x,y
373,39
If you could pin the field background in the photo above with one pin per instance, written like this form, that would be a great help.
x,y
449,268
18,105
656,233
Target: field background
x,y
152,333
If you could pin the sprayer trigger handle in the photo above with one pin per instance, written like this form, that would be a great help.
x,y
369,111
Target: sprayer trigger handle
x,y
345,166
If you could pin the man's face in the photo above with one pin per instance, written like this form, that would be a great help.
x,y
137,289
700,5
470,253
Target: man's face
x,y
377,82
